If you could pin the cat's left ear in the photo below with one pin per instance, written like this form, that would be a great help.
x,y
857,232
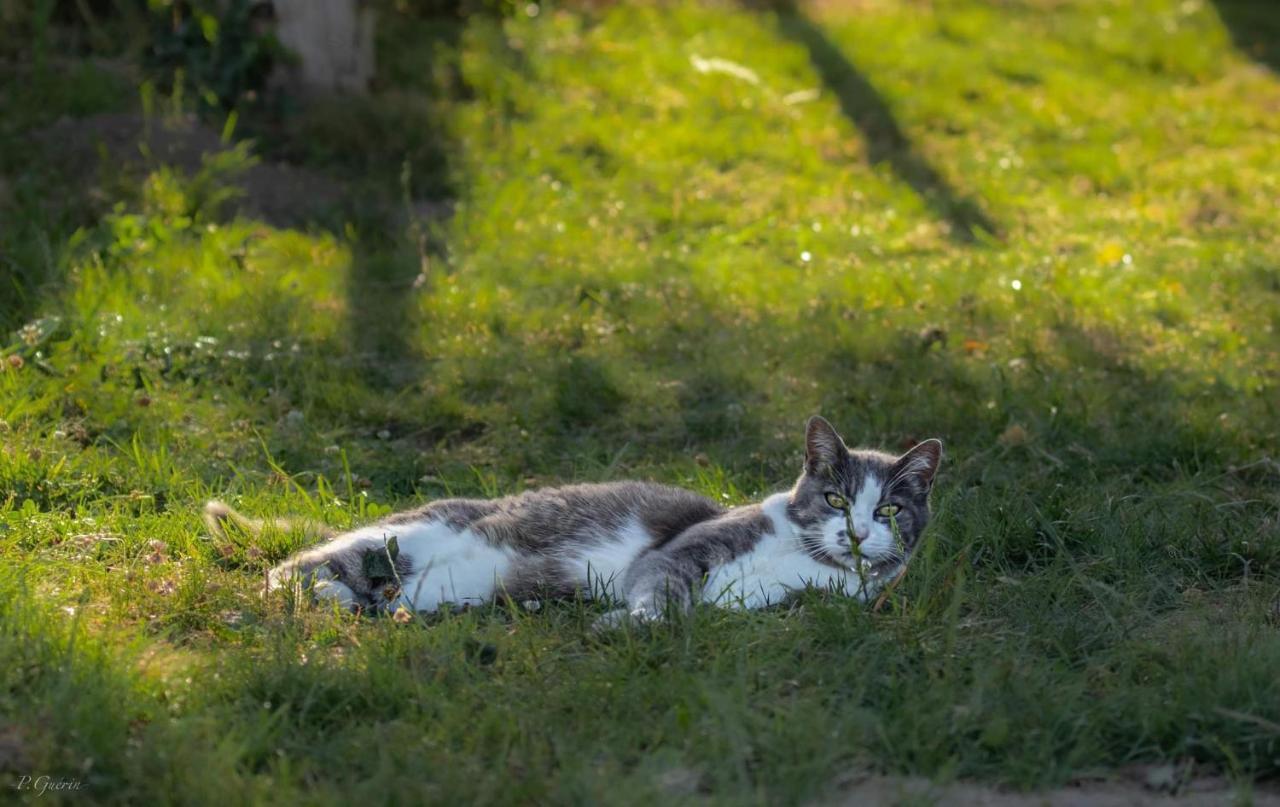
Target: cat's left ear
x,y
920,462
823,447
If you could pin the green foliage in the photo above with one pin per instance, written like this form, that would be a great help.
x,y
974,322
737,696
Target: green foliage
x,y
224,50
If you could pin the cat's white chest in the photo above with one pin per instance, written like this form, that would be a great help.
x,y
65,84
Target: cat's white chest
x,y
451,566
461,567
776,568
598,566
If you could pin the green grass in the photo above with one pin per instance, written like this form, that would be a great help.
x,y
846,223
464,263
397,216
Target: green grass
x,y
1043,232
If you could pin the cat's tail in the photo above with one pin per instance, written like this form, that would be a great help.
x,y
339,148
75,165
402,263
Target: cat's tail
x,y
219,515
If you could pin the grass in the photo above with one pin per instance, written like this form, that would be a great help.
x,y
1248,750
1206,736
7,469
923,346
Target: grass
x,y
1042,232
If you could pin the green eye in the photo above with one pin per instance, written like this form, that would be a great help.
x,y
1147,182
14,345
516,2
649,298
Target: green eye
x,y
887,510
837,501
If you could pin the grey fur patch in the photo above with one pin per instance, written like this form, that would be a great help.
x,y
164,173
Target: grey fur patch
x,y
457,513
557,519
667,576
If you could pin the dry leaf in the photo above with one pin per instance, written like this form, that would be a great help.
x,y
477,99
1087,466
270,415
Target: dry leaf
x,y
1015,435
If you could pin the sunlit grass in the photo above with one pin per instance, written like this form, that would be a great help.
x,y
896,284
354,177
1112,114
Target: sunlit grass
x,y
613,264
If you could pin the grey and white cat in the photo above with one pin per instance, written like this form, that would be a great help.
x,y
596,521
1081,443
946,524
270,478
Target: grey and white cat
x,y
848,525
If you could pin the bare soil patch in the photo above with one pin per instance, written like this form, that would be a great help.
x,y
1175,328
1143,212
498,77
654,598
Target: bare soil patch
x,y
279,193
1139,786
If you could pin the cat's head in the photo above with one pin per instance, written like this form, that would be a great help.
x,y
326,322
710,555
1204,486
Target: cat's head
x,y
856,503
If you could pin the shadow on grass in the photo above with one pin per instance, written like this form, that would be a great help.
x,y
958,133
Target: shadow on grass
x,y
383,318
887,143
373,170
394,148
1254,27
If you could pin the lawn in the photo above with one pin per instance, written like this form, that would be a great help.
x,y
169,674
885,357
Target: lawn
x,y
643,240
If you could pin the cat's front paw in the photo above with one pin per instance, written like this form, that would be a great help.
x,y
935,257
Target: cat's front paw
x,y
332,591
284,577
319,585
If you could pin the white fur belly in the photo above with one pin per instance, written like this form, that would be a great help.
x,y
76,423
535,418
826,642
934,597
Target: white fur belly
x,y
769,574
598,566
450,566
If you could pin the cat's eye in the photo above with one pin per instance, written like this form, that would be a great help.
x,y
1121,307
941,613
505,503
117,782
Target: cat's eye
x,y
837,501
887,510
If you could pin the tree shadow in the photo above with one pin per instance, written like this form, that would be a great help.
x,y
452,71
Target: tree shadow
x,y
394,147
380,318
1255,28
397,147
887,143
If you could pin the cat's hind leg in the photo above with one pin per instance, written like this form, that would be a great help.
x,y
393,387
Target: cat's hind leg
x,y
662,582
329,589
656,585
338,571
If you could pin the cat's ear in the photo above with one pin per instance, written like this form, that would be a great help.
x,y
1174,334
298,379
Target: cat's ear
x,y
920,462
823,448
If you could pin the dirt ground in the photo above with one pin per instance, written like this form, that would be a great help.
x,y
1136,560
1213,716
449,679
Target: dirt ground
x,y
1138,787
282,194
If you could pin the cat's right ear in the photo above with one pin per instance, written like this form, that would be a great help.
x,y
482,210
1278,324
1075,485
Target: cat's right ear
x,y
920,462
823,447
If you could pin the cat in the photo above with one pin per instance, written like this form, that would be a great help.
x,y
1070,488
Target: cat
x,y
848,525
